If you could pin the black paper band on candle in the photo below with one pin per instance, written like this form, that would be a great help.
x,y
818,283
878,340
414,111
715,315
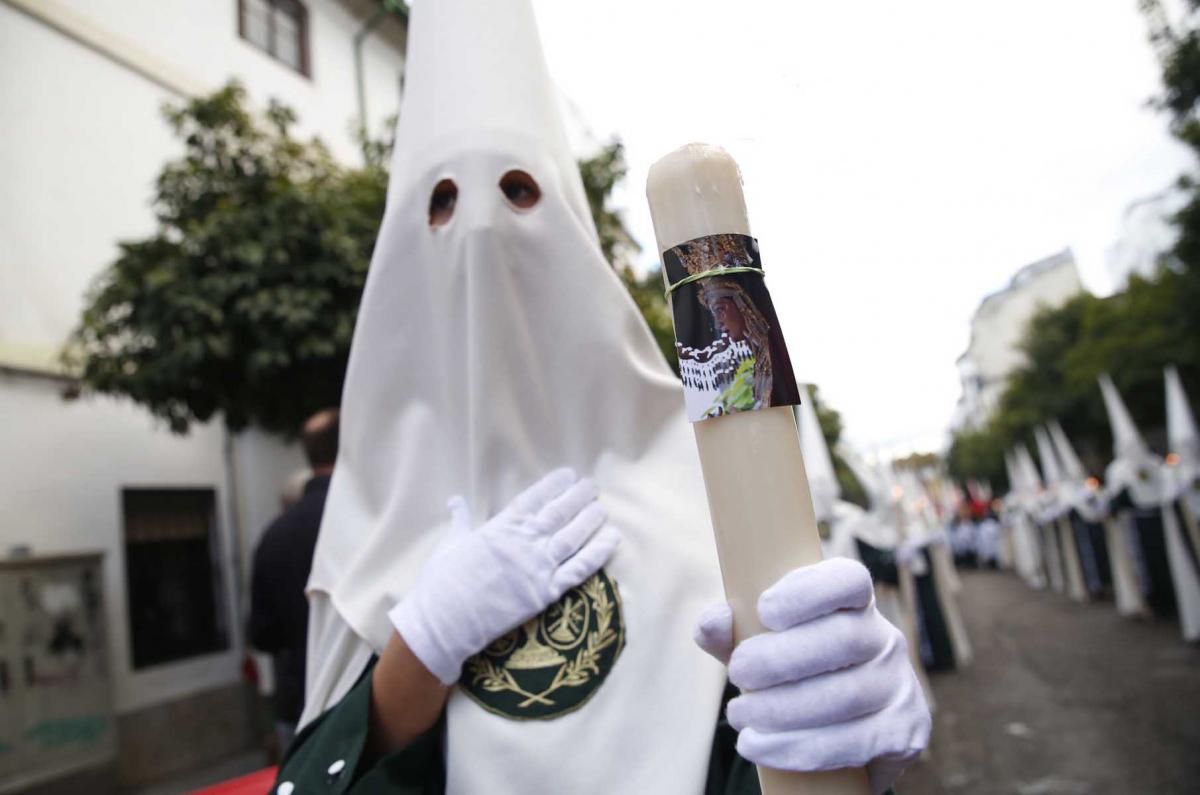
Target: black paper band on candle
x,y
732,356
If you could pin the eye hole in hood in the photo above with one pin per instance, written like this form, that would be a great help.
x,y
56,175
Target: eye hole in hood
x,y
442,202
520,189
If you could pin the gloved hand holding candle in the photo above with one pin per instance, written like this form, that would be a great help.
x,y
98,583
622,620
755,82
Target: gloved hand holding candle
x,y
798,723
829,684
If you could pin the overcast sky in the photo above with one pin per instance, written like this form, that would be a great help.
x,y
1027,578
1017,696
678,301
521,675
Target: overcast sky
x,y
901,160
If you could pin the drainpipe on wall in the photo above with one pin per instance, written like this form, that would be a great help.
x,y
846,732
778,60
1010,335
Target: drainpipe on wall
x,y
385,7
240,608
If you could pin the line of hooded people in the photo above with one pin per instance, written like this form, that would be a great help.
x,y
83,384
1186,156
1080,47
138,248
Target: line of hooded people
x,y
901,539
1133,538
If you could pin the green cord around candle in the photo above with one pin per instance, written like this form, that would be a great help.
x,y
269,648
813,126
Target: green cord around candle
x,y
695,277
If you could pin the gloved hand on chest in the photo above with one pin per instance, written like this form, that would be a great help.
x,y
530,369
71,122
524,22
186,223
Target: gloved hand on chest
x,y
829,685
482,583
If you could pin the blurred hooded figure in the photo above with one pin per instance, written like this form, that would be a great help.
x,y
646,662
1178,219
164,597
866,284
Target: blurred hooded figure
x,y
1040,506
500,370
1056,512
847,530
1183,487
926,552
1086,512
1140,491
1026,549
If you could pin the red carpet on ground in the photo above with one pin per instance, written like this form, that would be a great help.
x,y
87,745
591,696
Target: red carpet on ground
x,y
254,784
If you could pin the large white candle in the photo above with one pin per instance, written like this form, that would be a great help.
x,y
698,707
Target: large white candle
x,y
1126,592
908,599
758,495
1076,587
947,586
1189,520
1054,564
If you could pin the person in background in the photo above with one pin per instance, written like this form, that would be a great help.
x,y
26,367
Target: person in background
x,y
293,488
278,606
987,539
963,538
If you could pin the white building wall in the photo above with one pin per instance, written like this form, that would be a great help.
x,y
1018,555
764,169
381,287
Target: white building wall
x,y
82,136
998,328
61,492
62,471
82,139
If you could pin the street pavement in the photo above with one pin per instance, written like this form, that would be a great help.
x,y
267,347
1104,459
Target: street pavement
x,y
1062,699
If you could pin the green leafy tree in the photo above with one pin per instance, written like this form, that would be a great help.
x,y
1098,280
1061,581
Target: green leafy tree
x,y
241,304
601,174
647,292
978,454
1178,49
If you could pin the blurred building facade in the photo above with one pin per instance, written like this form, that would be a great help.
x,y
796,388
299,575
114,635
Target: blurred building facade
x,y
996,330
176,518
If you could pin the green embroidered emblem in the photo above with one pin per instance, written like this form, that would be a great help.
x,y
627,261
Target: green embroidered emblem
x,y
551,664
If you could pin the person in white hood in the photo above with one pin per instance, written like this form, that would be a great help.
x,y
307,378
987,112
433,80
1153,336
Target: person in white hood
x,y
1182,506
1141,495
537,637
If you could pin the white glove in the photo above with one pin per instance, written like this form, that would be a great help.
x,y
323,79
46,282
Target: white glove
x,y
482,583
830,686
909,554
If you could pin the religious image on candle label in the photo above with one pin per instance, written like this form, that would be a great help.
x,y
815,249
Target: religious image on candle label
x,y
732,356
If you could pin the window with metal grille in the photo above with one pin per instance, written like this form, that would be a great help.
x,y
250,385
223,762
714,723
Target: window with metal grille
x,y
278,28
176,600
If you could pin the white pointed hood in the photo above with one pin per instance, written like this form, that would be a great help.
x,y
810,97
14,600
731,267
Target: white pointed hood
x,y
1075,491
1012,498
1182,434
1032,493
1184,440
475,71
1016,500
1014,480
489,351
876,525
1053,500
877,491
1072,467
1133,467
822,480
1031,481
1127,441
1046,454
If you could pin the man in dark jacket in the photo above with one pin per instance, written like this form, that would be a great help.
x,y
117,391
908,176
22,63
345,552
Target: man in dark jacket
x,y
278,607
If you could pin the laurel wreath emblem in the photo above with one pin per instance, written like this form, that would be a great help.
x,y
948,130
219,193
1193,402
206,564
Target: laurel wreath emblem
x,y
602,631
